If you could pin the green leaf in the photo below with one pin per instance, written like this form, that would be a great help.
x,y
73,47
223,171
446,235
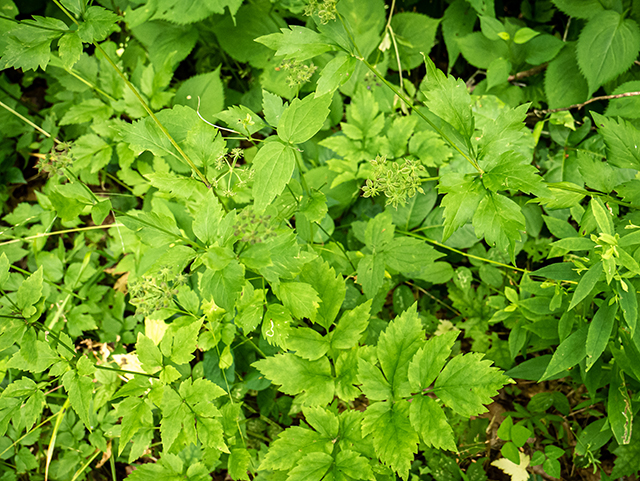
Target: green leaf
x,y
523,35
511,171
370,274
330,287
208,88
464,194
449,99
430,359
430,421
311,379
274,165
98,24
500,221
70,49
351,464
602,215
136,414
100,211
30,290
148,354
292,444
629,304
394,439
622,140
4,269
307,343
608,46
238,464
350,327
303,118
600,330
492,28
580,8
569,353
586,284
564,84
311,467
80,391
397,346
272,108
296,42
619,409
479,51
406,254
468,382
457,22
223,286
626,463
335,73
498,72
627,107
207,219
29,46
415,35
300,298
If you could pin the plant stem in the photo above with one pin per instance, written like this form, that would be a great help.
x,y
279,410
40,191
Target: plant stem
x,y
29,122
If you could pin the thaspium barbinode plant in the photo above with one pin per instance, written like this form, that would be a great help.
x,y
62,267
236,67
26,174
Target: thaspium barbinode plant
x,y
315,254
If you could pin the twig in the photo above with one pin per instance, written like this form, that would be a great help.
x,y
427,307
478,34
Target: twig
x,y
539,113
527,73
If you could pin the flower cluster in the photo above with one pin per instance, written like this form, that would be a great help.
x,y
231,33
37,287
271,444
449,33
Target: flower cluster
x,y
232,176
325,9
397,181
56,161
154,292
299,73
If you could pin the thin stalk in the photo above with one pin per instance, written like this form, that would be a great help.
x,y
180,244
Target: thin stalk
x,y
29,122
41,27
60,232
72,72
29,432
85,465
54,435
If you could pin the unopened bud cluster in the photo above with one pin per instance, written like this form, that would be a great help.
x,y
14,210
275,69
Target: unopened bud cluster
x,y
153,292
397,181
325,9
299,73
56,161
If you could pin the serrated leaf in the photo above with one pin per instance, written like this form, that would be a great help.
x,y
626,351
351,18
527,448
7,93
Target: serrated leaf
x,y
607,47
303,118
272,107
299,297
463,195
238,464
148,354
351,326
457,22
207,88
136,414
207,219
430,421
311,379
30,290
311,467
296,42
69,49
564,84
430,359
397,346
468,382
406,254
580,8
98,23
622,140
449,99
415,36
394,439
292,444
274,165
330,287
511,171
500,221
80,391
307,343
28,47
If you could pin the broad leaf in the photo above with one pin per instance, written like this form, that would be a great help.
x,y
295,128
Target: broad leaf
x,y
274,165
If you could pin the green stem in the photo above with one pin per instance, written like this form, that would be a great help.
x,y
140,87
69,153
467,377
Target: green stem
x,y
28,122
